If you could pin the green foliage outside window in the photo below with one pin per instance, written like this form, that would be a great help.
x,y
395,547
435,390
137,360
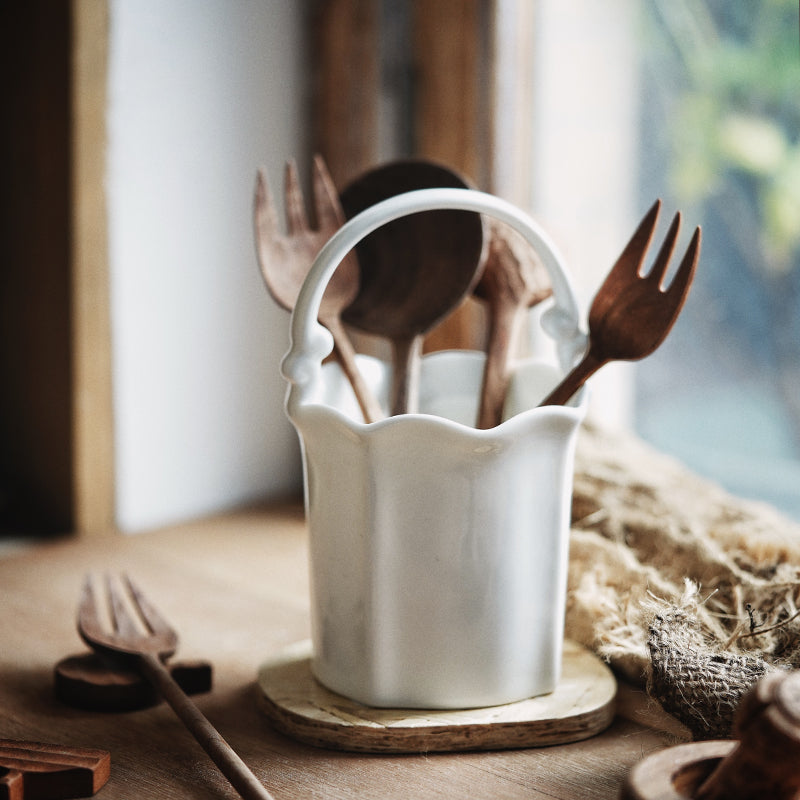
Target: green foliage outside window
x,y
721,139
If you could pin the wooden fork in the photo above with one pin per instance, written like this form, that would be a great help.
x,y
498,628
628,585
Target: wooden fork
x,y
141,638
285,260
632,312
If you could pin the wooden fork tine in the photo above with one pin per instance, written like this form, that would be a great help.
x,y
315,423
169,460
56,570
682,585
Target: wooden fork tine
x,y
658,271
327,207
265,214
633,255
679,287
296,217
154,621
628,266
120,616
87,608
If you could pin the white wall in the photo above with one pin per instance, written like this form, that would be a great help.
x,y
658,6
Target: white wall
x,y
200,95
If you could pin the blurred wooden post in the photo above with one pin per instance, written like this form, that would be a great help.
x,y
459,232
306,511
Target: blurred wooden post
x,y
344,39
452,103
452,47
451,64
93,417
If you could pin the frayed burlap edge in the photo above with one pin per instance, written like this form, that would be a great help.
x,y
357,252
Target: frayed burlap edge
x,y
669,573
691,676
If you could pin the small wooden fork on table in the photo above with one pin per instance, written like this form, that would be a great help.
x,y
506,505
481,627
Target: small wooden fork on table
x,y
141,638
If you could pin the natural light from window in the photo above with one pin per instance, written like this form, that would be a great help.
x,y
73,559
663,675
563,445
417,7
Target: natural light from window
x,y
720,139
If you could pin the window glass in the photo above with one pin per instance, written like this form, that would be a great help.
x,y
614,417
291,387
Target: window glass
x,y
720,140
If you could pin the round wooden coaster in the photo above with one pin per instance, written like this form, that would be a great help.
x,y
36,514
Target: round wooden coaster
x,y
299,706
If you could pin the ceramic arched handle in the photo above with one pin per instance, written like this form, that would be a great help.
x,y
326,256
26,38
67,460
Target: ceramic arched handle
x,y
311,343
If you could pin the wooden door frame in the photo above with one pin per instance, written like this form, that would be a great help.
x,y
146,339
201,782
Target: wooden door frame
x,y
93,418
56,426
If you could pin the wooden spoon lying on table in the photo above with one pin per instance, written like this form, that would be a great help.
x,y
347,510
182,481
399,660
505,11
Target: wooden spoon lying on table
x,y
414,270
513,280
632,313
285,261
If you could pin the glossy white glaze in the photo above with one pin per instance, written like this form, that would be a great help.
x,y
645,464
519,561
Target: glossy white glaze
x,y
438,551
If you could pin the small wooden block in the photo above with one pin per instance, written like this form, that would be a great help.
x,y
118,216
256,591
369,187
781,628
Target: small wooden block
x,y
36,771
88,681
581,706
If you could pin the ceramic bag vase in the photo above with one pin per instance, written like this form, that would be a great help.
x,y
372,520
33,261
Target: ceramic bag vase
x,y
438,552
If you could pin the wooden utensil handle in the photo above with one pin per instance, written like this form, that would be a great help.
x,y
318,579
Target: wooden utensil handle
x,y
506,321
573,380
405,378
346,356
221,753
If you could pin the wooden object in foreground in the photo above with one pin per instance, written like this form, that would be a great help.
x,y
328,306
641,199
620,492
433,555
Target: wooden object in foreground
x,y
34,771
581,706
764,764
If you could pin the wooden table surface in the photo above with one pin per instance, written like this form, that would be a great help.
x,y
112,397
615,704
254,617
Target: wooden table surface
x,y
236,589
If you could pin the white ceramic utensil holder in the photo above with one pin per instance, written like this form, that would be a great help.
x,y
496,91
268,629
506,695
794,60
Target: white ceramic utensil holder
x,y
438,552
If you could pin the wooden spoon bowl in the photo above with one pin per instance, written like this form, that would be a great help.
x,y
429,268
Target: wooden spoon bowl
x,y
414,270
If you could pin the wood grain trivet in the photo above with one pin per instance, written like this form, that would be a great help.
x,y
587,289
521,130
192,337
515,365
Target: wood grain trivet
x,y
296,704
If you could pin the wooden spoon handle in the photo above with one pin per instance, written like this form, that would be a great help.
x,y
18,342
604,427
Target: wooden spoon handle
x,y
574,379
405,378
504,325
221,753
346,356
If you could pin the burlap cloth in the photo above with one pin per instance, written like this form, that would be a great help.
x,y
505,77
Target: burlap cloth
x,y
681,587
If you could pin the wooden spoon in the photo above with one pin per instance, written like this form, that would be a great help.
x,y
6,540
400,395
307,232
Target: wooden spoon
x,y
414,270
513,280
